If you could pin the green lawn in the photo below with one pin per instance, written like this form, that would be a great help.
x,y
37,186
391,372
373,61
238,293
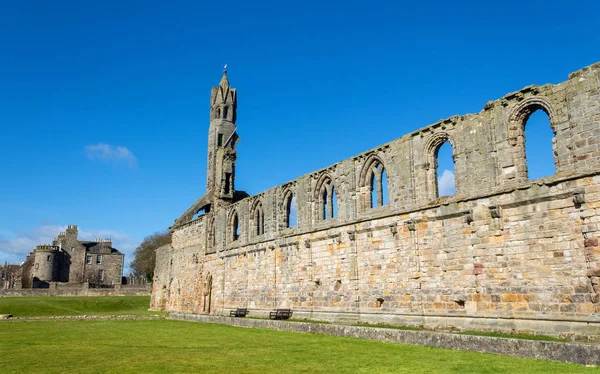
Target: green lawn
x,y
75,306
118,346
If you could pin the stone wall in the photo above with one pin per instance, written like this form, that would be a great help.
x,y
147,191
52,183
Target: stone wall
x,y
504,248
56,289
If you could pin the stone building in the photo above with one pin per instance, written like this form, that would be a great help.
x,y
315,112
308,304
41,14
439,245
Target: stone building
x,y
68,259
504,253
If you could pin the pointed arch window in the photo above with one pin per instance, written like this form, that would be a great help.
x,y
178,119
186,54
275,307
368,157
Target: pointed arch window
x,y
258,218
226,112
290,210
218,112
375,179
328,202
535,117
440,166
234,227
444,162
540,151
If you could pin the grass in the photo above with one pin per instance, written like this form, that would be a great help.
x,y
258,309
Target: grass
x,y
514,336
167,346
75,306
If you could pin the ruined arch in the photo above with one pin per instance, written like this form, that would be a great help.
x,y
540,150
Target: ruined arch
x,y
517,121
290,209
233,226
372,180
431,149
326,197
257,218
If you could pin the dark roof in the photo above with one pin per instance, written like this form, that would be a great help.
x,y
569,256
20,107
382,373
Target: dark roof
x,y
96,247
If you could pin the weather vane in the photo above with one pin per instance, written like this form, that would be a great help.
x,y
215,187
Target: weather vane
x,y
225,67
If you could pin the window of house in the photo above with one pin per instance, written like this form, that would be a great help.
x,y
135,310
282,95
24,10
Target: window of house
x,y
88,260
219,140
98,259
100,275
48,258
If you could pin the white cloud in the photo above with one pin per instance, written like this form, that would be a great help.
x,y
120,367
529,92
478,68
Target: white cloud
x,y
110,153
446,184
14,246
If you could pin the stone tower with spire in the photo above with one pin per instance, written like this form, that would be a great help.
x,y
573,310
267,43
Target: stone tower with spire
x,y
222,139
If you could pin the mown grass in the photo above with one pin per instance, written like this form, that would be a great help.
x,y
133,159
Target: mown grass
x,y
75,306
167,346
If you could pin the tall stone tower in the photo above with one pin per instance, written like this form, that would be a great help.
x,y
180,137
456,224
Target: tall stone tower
x,y
222,139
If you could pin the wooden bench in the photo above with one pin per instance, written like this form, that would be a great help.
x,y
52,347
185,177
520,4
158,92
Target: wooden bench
x,y
281,314
239,312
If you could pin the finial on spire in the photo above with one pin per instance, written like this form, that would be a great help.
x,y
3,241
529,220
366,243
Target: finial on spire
x,y
225,69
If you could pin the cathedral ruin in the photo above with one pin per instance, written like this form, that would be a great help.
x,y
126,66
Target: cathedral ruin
x,y
505,253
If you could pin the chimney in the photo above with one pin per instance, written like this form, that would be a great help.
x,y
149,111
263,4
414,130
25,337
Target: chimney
x,y
98,240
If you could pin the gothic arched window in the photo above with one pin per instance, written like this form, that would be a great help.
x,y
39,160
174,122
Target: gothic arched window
x,y
234,227
258,218
290,210
327,198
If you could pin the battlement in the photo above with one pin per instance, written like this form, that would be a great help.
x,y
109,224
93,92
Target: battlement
x,y
46,248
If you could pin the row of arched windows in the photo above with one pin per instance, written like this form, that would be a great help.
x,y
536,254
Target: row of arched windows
x,y
374,180
225,113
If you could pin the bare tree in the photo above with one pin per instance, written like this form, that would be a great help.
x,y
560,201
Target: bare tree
x,y
144,257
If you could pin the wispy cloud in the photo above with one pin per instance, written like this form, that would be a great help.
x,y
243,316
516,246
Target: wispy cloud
x,y
446,185
14,246
111,153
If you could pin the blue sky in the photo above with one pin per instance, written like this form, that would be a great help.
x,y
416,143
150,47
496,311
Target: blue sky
x,y
104,105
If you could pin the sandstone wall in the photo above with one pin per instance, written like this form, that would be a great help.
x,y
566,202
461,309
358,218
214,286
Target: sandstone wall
x,y
503,253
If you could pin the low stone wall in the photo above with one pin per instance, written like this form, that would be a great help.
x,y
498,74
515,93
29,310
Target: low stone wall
x,y
78,291
576,353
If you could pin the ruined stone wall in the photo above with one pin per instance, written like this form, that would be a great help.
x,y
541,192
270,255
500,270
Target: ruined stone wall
x,y
504,253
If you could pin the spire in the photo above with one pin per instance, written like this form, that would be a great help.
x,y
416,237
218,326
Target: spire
x,y
224,81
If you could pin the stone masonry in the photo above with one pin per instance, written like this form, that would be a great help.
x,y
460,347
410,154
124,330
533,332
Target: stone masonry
x,y
505,253
70,260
